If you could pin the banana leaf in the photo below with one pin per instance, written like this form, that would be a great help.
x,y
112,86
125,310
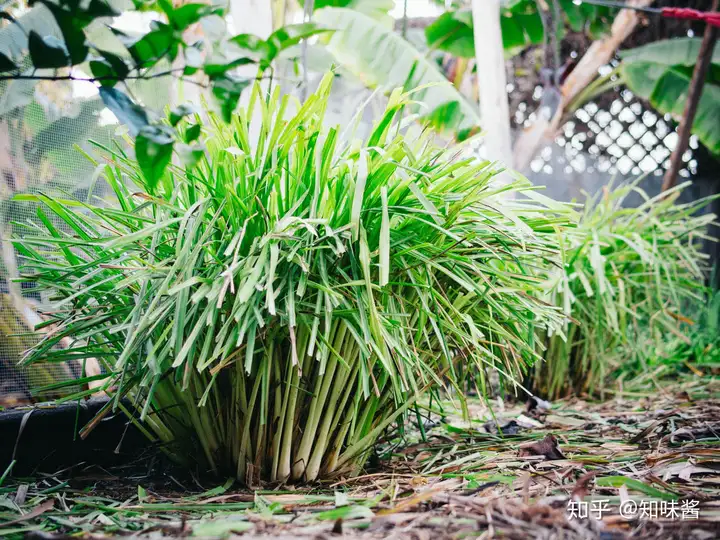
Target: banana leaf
x,y
661,73
380,58
520,23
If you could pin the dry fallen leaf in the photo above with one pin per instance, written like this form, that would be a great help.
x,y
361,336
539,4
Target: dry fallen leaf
x,y
547,447
565,420
581,489
527,422
511,428
418,481
35,512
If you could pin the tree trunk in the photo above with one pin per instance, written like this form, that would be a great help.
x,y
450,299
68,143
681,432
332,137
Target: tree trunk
x,y
492,80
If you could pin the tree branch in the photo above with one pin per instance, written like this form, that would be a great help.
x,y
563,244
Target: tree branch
x,y
598,55
18,77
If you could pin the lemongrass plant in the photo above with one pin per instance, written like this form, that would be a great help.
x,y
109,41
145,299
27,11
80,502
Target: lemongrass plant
x,y
694,353
270,310
628,272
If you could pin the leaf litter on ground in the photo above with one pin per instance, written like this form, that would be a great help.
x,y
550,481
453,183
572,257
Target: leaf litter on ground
x,y
454,480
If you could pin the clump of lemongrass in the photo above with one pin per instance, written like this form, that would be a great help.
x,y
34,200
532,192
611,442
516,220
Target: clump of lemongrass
x,y
272,309
694,354
628,272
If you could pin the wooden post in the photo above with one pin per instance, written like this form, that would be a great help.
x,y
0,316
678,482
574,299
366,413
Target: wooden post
x,y
492,80
251,17
694,93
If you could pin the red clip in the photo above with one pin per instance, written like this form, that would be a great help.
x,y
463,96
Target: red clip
x,y
692,15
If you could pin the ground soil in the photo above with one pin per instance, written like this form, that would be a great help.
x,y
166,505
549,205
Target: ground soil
x,y
641,467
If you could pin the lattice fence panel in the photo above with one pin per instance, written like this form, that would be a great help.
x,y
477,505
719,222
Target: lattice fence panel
x,y
616,134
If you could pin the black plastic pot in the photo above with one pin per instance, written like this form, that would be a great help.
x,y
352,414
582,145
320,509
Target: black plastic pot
x,y
45,438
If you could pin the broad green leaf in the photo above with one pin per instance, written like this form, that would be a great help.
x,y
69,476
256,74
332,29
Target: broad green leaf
x,y
513,33
119,68
227,90
392,62
153,150
574,15
661,73
669,52
183,16
128,112
73,21
257,47
520,23
14,35
265,51
670,95
6,64
104,72
47,52
216,67
180,112
192,133
147,50
452,32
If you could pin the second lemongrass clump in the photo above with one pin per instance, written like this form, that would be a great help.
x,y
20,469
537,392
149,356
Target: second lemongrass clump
x,y
628,272
272,309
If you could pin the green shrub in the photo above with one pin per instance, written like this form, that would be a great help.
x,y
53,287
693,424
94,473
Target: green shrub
x,y
693,352
272,309
627,270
